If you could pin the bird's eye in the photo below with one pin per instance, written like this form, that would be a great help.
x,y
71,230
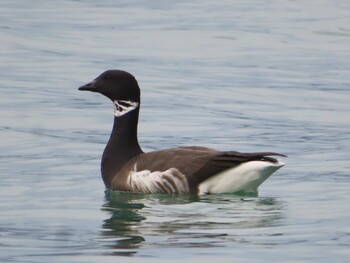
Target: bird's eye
x,y
107,76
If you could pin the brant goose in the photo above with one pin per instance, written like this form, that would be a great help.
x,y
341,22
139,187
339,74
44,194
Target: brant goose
x,y
200,170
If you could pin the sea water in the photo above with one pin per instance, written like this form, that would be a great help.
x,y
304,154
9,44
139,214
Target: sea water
x,y
234,75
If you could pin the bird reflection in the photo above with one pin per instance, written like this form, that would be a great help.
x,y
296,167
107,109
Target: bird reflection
x,y
183,220
122,228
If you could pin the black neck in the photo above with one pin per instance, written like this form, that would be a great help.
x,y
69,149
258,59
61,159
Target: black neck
x,y
122,145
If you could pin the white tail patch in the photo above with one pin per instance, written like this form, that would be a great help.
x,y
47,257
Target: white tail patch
x,y
122,107
245,177
169,181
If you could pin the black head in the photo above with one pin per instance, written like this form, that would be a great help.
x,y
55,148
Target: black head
x,y
116,85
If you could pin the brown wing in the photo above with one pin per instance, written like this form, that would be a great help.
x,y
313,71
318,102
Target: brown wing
x,y
187,160
183,161
196,163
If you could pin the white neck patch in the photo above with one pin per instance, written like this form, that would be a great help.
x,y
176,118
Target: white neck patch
x,y
122,107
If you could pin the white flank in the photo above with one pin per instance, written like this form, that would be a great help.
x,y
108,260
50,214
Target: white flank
x,y
122,107
169,181
246,177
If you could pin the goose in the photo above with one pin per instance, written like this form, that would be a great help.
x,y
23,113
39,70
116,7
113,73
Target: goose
x,y
187,170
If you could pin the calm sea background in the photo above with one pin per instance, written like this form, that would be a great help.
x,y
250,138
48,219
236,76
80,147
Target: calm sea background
x,y
239,75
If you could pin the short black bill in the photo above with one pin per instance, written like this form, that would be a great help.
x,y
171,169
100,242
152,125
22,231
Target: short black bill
x,y
89,86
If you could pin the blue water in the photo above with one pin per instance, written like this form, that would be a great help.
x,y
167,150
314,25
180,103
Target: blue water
x,y
238,75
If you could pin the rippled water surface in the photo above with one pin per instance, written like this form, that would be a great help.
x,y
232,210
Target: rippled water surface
x,y
238,75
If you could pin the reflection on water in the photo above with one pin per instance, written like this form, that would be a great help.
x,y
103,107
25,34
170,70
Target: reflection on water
x,y
138,221
120,227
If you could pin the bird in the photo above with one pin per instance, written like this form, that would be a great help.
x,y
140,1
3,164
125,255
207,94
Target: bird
x,y
199,170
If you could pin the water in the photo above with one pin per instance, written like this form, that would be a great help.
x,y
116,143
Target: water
x,y
239,75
